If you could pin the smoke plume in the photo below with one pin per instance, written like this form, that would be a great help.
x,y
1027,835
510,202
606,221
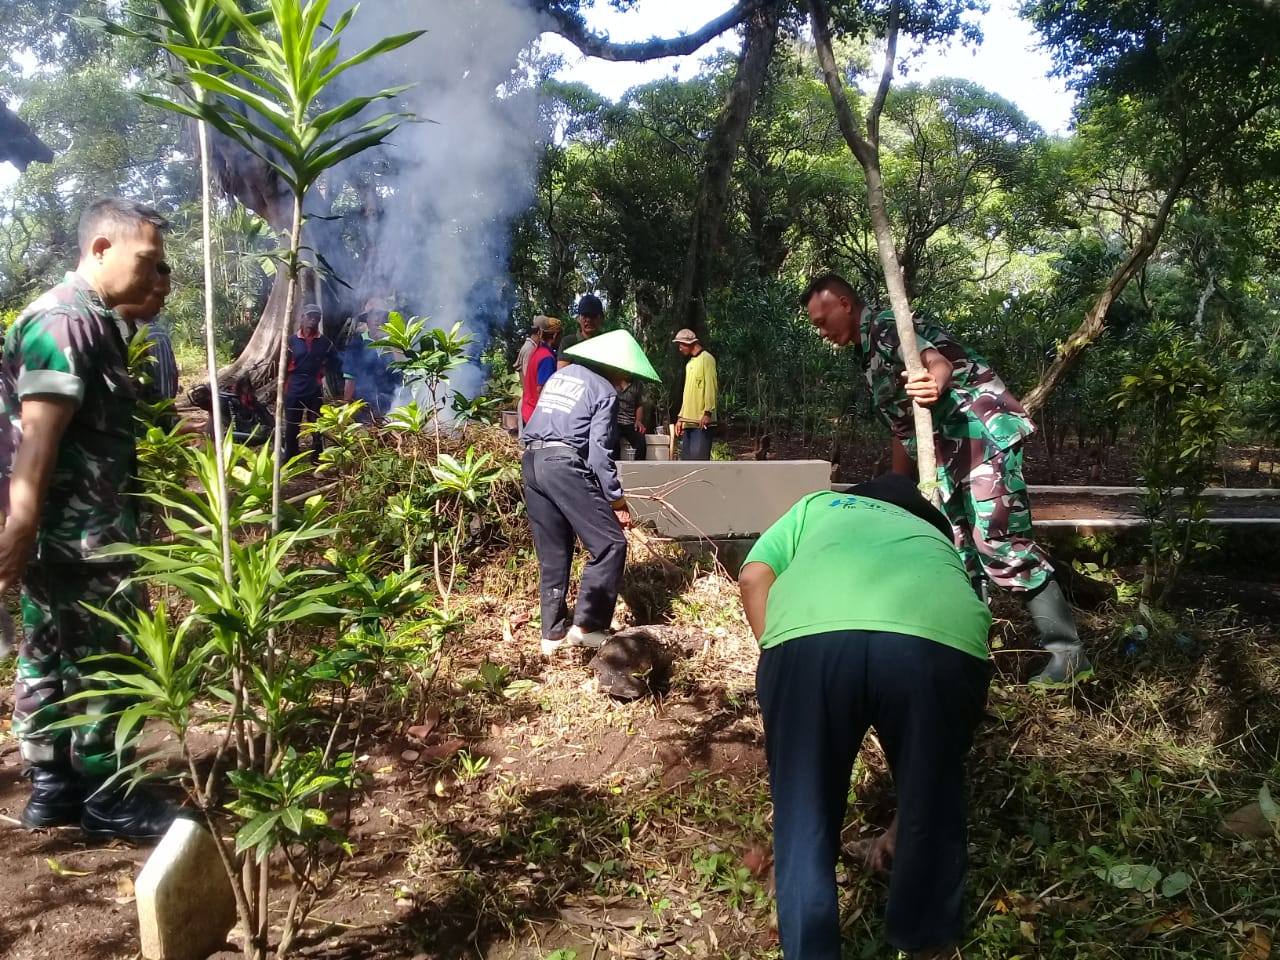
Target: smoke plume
x,y
449,186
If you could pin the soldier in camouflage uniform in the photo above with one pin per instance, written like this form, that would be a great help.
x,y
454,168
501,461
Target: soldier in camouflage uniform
x,y
67,468
979,429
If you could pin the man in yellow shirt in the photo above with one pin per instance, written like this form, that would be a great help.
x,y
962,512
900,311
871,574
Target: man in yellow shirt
x,y
697,419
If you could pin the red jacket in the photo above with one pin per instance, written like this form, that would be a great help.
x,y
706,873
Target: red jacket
x,y
542,364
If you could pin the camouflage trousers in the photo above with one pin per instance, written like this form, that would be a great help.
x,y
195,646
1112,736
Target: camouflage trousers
x,y
58,633
990,516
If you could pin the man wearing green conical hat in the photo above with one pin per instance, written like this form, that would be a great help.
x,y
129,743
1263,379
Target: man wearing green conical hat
x,y
572,488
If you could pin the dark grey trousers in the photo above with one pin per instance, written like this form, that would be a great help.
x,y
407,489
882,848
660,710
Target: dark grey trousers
x,y
818,696
564,500
296,410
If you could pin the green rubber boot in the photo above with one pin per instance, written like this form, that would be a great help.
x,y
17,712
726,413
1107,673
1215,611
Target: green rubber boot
x,y
1051,614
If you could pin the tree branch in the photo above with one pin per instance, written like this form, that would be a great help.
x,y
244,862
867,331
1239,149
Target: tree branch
x,y
821,18
886,75
1096,319
868,156
573,29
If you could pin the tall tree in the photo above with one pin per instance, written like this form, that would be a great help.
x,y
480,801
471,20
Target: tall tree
x,y
957,153
759,39
103,141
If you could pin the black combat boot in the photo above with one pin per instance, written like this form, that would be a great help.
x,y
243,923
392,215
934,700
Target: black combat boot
x,y
1052,617
116,813
57,796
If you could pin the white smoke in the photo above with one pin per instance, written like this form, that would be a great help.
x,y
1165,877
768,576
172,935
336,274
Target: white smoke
x,y
452,185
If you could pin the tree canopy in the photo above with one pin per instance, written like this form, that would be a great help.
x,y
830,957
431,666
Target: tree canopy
x,y
711,198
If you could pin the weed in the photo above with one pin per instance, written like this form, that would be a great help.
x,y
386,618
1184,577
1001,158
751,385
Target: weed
x,y
470,766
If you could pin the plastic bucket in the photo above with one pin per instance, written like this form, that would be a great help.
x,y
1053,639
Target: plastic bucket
x,y
658,446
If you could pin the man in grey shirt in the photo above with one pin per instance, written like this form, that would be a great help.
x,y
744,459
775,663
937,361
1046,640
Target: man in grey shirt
x,y
572,488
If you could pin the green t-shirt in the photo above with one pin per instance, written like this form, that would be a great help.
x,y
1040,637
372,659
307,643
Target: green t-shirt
x,y
853,563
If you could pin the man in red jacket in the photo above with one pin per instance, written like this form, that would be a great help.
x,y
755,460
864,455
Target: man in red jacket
x,y
311,355
541,365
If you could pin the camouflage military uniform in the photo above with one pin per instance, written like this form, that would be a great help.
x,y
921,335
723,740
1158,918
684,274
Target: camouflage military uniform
x,y
979,429
68,344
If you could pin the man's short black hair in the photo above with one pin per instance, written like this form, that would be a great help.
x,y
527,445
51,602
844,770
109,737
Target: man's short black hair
x,y
590,306
114,218
831,283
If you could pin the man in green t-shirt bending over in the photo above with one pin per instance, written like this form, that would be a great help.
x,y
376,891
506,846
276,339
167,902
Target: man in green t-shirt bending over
x,y
866,618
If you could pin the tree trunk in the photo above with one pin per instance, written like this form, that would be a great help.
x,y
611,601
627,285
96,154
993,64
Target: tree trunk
x,y
867,151
722,150
1095,321
249,180
258,359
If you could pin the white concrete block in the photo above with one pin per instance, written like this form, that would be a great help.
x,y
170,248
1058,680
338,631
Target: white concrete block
x,y
719,499
185,903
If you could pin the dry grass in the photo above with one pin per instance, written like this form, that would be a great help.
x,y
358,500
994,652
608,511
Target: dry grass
x,y
1069,791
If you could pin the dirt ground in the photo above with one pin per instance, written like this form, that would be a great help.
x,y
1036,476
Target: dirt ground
x,y
72,899
595,827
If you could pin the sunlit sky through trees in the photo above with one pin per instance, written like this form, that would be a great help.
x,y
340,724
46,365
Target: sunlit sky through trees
x,y
1007,63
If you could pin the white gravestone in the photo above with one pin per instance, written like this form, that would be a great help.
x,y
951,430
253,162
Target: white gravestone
x,y
186,906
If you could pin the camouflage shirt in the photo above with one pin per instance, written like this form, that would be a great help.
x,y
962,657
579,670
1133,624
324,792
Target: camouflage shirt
x,y
973,421
68,344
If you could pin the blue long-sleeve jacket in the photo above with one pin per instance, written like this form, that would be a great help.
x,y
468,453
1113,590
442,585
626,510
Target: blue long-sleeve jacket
x,y
577,407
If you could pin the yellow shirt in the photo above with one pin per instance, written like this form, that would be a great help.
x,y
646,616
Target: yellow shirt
x,y
700,388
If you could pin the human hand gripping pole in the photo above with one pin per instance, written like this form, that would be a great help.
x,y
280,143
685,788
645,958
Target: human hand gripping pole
x,y
920,392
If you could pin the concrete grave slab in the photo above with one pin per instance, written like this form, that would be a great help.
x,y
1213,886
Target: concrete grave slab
x,y
719,499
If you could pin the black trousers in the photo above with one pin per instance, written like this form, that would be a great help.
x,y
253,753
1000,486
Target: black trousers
x,y
296,410
564,501
818,696
631,436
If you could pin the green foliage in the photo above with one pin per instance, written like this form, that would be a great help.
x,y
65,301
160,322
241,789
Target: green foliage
x,y
721,874
480,409
466,479
160,442
425,356
104,141
289,68
721,451
292,650
1178,400
775,373
278,810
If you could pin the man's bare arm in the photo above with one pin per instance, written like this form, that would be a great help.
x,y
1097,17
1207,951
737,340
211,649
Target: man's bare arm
x,y
754,582
44,421
931,383
902,462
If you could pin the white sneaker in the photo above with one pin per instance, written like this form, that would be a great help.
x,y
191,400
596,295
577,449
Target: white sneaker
x,y
549,647
577,637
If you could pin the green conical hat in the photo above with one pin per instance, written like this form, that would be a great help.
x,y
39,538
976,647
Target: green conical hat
x,y
617,349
